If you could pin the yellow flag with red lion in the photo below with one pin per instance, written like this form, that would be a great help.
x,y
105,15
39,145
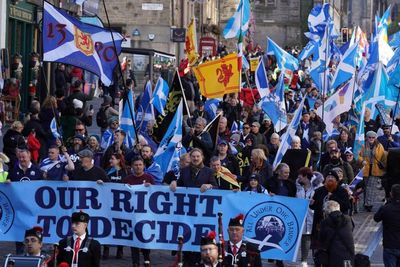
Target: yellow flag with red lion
x,y
191,43
218,77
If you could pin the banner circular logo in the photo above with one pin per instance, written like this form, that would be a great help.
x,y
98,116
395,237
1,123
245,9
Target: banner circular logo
x,y
7,214
271,225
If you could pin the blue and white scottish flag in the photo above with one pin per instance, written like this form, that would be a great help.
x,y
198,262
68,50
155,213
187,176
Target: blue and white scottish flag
x,y
239,22
318,18
211,106
54,129
70,41
161,92
145,110
308,50
126,122
286,139
262,79
285,60
346,68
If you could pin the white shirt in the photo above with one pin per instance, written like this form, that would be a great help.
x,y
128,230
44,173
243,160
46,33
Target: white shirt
x,y
238,245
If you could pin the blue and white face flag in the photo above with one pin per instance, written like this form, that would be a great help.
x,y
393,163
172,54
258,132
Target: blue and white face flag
x,y
284,59
262,79
125,119
161,92
239,22
54,129
286,139
167,150
70,41
274,106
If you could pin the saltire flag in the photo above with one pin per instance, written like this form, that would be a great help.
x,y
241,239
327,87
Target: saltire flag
x,y
167,152
191,43
384,23
285,60
237,127
54,129
288,135
218,77
336,104
262,79
308,50
160,95
393,62
326,136
318,18
70,41
239,22
126,115
212,129
174,98
346,68
145,110
274,106
211,106
394,40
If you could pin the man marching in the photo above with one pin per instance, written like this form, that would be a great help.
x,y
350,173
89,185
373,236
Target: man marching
x,y
238,252
79,250
33,244
209,251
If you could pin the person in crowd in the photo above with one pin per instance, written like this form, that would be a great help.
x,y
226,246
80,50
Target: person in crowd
x,y
199,112
94,145
61,78
373,158
273,146
80,128
344,139
80,249
172,175
289,101
107,137
33,146
325,157
336,161
336,236
232,109
105,113
225,178
388,140
369,123
296,157
239,252
267,128
223,131
87,171
258,165
389,215
349,157
305,130
117,170
56,166
208,251
139,176
305,190
259,138
12,140
330,191
197,138
315,148
34,243
244,156
254,185
151,167
48,111
227,159
77,145
117,147
79,95
280,184
246,132
24,170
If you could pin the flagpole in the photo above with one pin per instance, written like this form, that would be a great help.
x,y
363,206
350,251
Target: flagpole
x,y
354,83
122,75
395,108
183,94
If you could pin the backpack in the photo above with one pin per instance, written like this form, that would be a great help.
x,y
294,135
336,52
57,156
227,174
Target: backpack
x,y
101,117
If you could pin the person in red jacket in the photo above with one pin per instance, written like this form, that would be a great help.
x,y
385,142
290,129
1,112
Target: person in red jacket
x,y
33,146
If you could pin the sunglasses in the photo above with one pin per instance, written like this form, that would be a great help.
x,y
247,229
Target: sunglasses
x,y
79,130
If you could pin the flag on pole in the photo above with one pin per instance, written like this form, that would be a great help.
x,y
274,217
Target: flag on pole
x,y
211,106
218,77
262,79
54,129
274,106
191,43
125,119
239,22
288,135
346,68
212,129
70,41
145,111
160,95
167,153
308,50
318,18
336,104
284,59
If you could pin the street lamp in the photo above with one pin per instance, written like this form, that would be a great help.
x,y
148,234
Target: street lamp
x,y
136,33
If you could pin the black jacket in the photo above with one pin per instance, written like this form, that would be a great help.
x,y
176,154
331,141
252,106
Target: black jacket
x,y
389,214
204,176
337,238
91,258
247,255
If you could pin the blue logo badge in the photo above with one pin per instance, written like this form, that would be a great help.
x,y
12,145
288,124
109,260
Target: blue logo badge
x,y
271,225
6,214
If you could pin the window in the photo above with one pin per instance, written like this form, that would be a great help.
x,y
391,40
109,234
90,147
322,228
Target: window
x,y
270,3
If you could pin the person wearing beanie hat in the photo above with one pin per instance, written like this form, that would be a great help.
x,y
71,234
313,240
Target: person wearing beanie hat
x,y
373,157
237,251
209,250
34,241
79,249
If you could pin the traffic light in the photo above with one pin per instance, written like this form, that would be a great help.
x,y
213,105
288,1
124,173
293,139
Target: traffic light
x,y
345,35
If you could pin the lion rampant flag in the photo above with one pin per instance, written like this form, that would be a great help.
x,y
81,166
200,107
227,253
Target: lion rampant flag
x,y
218,77
191,43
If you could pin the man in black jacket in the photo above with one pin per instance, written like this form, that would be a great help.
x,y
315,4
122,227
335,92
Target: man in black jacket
x,y
389,214
79,250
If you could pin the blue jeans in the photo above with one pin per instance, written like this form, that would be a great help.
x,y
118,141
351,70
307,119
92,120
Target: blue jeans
x,y
391,257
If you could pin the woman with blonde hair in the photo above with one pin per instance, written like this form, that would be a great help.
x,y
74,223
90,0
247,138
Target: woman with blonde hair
x,y
258,165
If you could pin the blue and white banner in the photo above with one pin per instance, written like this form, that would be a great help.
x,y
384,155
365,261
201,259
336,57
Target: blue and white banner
x,y
150,217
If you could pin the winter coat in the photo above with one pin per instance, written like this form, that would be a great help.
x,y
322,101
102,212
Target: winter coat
x,y
306,194
378,154
337,238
